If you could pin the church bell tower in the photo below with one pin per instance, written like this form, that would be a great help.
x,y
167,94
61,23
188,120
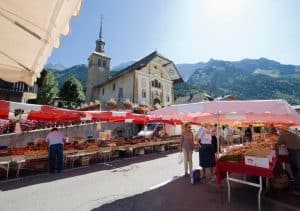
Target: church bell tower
x,y
98,68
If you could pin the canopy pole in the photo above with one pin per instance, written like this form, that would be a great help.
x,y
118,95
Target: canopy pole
x,y
218,135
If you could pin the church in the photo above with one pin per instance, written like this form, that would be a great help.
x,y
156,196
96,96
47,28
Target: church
x,y
148,81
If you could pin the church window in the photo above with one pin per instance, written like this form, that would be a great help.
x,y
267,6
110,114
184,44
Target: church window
x,y
155,67
104,63
156,84
168,98
144,94
103,91
120,94
114,87
99,63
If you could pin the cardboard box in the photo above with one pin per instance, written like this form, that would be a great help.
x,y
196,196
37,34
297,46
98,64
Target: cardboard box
x,y
262,162
250,160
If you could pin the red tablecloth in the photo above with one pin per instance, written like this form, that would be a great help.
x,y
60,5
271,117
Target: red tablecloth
x,y
241,168
283,158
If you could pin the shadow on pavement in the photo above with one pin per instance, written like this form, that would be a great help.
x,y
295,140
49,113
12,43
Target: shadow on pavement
x,y
181,195
67,173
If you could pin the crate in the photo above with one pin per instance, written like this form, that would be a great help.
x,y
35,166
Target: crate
x,y
140,151
159,148
85,161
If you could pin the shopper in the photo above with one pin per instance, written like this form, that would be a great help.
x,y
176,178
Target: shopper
x,y
214,140
292,143
228,135
248,134
55,140
207,152
187,146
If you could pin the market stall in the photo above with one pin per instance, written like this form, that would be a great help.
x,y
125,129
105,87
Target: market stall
x,y
31,117
230,112
29,30
255,159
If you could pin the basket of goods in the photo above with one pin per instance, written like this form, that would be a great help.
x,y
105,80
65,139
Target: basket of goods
x,y
79,146
280,182
17,151
85,160
127,103
232,157
92,148
112,103
4,151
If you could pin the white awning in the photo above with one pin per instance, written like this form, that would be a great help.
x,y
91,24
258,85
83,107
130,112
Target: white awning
x,y
29,30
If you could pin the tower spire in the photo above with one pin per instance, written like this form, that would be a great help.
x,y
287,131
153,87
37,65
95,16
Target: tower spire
x,y
100,42
100,34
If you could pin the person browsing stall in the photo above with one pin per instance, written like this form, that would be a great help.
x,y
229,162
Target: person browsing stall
x,y
292,143
248,134
55,140
207,152
187,146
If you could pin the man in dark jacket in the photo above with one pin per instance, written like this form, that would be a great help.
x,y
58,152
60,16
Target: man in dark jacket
x,y
248,134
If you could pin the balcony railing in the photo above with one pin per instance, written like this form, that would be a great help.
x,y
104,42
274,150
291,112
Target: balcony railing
x,y
17,87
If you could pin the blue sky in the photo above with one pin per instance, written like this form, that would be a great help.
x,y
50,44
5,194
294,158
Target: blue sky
x,y
185,31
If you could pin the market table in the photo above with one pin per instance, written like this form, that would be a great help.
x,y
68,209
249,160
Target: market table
x,y
4,164
6,161
224,168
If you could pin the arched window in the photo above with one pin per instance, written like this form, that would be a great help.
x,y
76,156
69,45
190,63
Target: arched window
x,y
168,98
144,94
156,84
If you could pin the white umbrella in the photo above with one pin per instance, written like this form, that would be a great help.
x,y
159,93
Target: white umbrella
x,y
29,30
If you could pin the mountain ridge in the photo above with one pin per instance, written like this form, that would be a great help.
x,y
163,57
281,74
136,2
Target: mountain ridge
x,y
246,79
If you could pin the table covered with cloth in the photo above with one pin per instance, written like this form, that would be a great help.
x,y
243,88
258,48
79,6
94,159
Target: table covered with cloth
x,y
241,168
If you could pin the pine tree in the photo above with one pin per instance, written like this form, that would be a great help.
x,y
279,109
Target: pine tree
x,y
48,91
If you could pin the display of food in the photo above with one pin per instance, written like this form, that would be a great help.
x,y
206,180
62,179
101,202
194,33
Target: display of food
x,y
259,147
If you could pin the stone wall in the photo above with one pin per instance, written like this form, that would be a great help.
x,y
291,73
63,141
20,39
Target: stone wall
x,y
13,140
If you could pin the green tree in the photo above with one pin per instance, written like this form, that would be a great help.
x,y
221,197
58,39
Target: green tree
x,y
72,91
48,91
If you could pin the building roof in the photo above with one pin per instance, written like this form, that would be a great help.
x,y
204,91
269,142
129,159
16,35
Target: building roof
x,y
296,107
200,97
142,63
226,97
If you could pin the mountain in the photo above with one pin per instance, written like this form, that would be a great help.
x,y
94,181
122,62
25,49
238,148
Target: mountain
x,y
246,79
54,66
78,71
249,79
186,70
